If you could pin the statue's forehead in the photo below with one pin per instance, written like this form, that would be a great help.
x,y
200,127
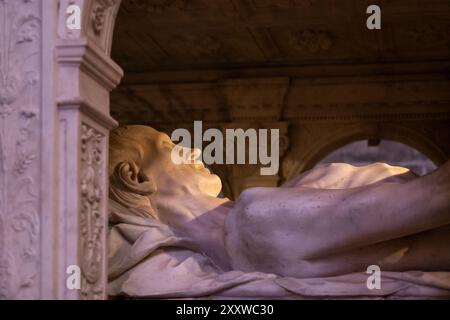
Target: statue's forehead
x,y
151,139
139,132
150,133
145,136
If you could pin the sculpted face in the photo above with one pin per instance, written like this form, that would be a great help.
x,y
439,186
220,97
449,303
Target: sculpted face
x,y
157,166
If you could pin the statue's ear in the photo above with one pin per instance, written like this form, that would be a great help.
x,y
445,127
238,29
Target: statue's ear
x,y
128,175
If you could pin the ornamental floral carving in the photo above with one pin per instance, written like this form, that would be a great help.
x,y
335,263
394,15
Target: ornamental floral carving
x,y
99,14
19,138
92,222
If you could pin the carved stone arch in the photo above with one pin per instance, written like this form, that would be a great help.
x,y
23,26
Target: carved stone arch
x,y
348,133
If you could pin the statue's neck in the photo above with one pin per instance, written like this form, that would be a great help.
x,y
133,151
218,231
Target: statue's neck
x,y
200,218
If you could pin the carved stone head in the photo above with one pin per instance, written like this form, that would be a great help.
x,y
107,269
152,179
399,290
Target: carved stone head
x,y
141,167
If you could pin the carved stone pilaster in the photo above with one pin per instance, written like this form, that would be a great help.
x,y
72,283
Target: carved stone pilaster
x,y
20,110
93,215
86,76
54,123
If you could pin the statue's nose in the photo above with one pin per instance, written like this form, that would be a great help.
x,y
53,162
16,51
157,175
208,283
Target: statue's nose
x,y
195,156
185,155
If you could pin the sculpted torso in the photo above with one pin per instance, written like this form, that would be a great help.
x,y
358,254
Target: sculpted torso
x,y
329,221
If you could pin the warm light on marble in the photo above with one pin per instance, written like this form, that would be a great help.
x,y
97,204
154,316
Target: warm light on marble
x,y
314,236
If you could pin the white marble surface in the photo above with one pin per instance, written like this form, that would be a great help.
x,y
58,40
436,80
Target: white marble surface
x,y
313,237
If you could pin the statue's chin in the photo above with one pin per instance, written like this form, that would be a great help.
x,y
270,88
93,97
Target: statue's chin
x,y
211,186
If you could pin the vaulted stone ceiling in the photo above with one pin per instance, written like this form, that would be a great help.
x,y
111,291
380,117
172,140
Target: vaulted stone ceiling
x,y
175,54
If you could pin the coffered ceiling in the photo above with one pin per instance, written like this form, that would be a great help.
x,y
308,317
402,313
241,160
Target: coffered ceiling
x,y
156,35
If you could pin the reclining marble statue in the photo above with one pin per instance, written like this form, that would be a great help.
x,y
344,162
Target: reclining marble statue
x,y
171,236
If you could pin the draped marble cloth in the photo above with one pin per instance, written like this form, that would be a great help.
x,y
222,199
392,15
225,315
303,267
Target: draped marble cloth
x,y
148,260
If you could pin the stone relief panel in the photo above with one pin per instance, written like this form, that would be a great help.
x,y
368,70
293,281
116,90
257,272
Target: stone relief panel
x,y
259,98
311,41
92,220
20,37
197,46
431,33
98,17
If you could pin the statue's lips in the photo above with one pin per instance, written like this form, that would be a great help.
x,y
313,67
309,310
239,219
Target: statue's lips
x,y
201,167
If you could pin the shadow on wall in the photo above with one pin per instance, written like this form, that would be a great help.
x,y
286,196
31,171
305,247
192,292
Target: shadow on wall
x,y
364,152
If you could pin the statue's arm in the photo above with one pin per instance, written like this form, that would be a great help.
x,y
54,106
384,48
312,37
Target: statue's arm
x,y
304,223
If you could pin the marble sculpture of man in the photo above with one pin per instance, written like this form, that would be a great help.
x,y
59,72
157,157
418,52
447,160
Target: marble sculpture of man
x,y
315,236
